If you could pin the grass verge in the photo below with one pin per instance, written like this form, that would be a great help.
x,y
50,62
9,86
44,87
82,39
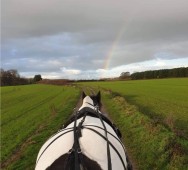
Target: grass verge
x,y
150,145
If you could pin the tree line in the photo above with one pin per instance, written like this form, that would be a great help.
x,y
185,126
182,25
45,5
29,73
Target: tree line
x,y
164,73
11,78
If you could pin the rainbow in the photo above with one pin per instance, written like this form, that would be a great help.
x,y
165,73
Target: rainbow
x,y
110,54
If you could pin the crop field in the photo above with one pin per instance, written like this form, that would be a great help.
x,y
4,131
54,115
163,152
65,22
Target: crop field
x,y
164,100
29,115
153,117
151,114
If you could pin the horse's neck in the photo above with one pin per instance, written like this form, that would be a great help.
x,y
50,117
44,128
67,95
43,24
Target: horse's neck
x,y
87,102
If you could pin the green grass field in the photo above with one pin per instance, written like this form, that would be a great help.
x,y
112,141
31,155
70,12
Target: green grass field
x,y
150,145
151,114
163,100
29,115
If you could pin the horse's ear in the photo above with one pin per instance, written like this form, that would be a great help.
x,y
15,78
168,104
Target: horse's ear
x,y
99,96
83,95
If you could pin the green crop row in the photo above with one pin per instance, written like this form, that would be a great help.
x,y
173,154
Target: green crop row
x,y
29,115
164,100
152,115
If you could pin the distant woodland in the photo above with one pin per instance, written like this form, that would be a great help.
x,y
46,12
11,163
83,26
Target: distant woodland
x,y
12,77
164,73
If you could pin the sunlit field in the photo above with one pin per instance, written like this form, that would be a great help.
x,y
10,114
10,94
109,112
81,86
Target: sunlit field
x,y
29,115
152,115
164,100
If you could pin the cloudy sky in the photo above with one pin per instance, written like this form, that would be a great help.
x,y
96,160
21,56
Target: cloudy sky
x,y
84,39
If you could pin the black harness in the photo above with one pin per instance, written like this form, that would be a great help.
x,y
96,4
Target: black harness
x,y
76,150
87,111
74,158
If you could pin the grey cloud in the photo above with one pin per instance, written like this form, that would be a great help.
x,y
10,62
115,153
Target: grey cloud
x,y
38,18
80,34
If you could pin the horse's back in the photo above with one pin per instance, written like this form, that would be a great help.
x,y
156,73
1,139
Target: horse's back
x,y
54,148
92,145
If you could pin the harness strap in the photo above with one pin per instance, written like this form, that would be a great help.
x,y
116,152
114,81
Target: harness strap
x,y
76,150
76,146
51,143
61,130
108,142
106,138
92,113
110,145
108,133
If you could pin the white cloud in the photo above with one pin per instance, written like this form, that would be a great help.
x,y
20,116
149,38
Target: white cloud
x,y
160,63
116,71
70,71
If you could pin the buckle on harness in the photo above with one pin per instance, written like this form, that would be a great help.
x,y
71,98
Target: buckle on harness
x,y
70,151
79,151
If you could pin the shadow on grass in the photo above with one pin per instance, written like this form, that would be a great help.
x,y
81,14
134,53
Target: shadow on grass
x,y
167,121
